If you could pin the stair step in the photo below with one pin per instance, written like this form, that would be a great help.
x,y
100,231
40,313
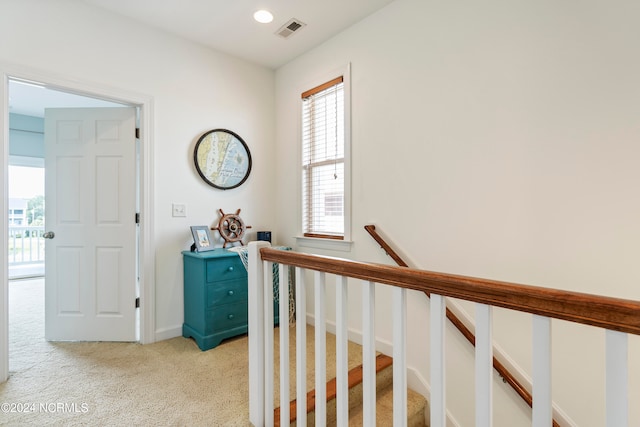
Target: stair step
x,y
417,409
383,367
416,403
417,406
384,376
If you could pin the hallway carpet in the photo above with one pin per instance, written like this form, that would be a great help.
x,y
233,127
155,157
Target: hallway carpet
x,y
169,383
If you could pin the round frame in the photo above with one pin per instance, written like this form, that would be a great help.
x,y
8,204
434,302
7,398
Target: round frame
x,y
222,159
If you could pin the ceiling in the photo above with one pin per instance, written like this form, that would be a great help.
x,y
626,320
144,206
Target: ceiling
x,y
228,26
224,25
31,99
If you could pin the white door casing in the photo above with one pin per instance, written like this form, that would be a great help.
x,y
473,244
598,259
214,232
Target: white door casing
x,y
90,200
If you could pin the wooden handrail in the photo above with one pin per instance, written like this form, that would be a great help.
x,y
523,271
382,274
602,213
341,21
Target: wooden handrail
x,y
605,312
371,229
502,370
593,310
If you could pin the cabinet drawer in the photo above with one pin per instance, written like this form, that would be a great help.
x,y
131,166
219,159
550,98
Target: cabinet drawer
x,y
227,316
231,268
226,292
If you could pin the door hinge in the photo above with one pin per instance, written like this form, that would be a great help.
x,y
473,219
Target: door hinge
x,y
138,302
137,133
137,218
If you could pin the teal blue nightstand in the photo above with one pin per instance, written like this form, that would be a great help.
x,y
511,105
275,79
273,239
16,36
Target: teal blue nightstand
x,y
215,297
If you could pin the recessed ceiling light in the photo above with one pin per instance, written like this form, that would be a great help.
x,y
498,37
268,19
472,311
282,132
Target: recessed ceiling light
x,y
263,16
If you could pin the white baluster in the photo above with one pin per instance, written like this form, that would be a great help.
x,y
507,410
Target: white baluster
x,y
369,354
399,356
268,344
255,279
321,349
438,367
484,366
342,356
283,295
301,348
617,379
542,403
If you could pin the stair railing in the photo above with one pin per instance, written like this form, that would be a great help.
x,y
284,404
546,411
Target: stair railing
x,y
504,373
618,316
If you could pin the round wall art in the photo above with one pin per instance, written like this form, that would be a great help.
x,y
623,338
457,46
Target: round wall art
x,y
222,159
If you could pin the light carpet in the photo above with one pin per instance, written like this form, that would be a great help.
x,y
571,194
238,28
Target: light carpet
x,y
169,383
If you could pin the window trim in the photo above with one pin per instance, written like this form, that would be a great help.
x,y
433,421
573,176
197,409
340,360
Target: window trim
x,y
318,84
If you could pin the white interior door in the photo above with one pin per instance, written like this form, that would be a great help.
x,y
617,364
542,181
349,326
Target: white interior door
x,y
90,205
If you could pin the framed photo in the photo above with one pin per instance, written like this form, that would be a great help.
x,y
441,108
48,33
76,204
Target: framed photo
x,y
222,159
201,238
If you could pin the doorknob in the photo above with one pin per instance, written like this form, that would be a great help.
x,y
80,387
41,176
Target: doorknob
x,y
49,235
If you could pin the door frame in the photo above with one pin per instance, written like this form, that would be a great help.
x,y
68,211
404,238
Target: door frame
x,y
146,240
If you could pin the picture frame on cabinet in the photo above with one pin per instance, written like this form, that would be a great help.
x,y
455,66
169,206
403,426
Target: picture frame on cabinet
x,y
201,238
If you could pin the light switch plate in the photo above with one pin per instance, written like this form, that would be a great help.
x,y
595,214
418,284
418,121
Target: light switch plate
x,y
179,209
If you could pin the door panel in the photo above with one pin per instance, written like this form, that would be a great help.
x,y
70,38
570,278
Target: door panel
x,y
68,295
90,285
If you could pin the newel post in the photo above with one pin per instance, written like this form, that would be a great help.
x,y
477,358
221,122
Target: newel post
x,y
256,333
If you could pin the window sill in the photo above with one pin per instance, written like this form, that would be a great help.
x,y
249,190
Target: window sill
x,y
319,243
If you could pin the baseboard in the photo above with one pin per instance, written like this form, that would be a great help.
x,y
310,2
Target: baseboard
x,y
168,333
417,383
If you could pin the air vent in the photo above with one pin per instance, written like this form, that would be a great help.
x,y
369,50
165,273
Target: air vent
x,y
290,27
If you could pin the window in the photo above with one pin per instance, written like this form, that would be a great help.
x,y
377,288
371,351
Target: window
x,y
334,204
324,175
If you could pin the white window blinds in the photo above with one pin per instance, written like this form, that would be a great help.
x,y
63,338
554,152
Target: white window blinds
x,y
323,179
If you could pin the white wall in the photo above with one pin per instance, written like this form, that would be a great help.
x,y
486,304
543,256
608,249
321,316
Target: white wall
x,y
194,89
496,139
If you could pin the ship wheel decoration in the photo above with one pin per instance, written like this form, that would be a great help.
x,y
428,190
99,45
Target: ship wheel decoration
x,y
231,227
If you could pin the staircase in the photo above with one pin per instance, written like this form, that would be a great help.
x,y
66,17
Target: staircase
x,y
619,317
417,406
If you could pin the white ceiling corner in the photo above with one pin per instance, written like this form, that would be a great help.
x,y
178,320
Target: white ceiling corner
x,y
228,26
225,26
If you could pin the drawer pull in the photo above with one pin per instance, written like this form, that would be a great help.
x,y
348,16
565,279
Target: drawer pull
x,y
230,293
230,268
230,316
